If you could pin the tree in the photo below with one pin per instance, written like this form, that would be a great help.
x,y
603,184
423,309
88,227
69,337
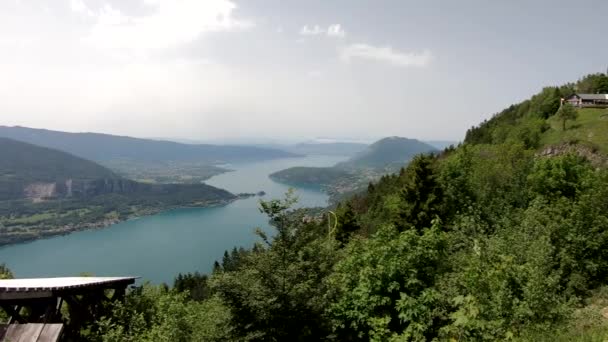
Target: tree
x,y
276,294
593,84
5,272
153,313
422,195
194,283
347,224
384,288
566,112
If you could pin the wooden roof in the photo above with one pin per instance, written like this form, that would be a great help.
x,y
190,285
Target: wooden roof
x,y
45,287
590,96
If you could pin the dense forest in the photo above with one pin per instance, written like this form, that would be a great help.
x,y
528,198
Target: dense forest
x,y
495,239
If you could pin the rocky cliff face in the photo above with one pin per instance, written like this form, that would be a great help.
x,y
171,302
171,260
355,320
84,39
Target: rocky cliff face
x,y
73,188
40,191
597,159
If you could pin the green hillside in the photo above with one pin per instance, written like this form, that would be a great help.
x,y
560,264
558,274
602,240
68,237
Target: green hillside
x,y
590,128
533,122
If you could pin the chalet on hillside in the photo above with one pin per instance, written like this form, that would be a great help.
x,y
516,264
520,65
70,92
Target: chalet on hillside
x,y
587,100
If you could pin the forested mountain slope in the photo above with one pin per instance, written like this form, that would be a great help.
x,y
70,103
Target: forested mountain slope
x,y
27,162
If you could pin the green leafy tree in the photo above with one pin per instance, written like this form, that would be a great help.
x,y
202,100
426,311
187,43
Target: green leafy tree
x,y
555,177
422,195
5,272
593,84
384,287
347,223
276,295
155,314
566,112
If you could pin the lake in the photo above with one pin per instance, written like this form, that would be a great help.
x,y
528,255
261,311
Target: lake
x,y
159,247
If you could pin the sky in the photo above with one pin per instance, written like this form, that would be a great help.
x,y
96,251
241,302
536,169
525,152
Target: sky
x,y
287,70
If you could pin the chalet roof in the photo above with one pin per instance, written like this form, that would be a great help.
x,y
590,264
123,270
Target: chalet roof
x,y
59,284
593,96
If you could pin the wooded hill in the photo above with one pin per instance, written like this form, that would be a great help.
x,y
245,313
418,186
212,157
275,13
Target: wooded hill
x,y
386,152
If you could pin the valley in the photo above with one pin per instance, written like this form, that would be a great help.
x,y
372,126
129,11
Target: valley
x,y
158,244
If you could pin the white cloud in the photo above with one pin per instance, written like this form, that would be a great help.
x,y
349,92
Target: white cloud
x,y
336,30
386,55
171,23
333,30
79,6
311,31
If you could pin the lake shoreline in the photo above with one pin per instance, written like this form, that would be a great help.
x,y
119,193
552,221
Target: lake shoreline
x,y
52,232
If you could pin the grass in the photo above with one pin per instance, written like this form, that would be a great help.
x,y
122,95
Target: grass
x,y
43,216
32,219
589,128
587,323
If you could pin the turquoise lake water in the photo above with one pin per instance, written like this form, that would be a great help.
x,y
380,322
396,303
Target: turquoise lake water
x,y
159,247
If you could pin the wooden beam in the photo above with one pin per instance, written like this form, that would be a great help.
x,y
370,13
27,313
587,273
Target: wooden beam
x,y
50,333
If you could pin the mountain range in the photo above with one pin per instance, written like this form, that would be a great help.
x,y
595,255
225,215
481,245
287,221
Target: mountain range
x,y
105,147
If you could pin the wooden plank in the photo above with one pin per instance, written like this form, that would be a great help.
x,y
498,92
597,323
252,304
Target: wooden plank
x,y
3,330
31,333
50,333
23,332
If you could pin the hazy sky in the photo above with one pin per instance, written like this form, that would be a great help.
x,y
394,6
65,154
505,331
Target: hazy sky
x,y
220,69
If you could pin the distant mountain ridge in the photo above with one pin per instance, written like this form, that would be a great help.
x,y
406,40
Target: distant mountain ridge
x,y
35,172
328,149
104,147
29,162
